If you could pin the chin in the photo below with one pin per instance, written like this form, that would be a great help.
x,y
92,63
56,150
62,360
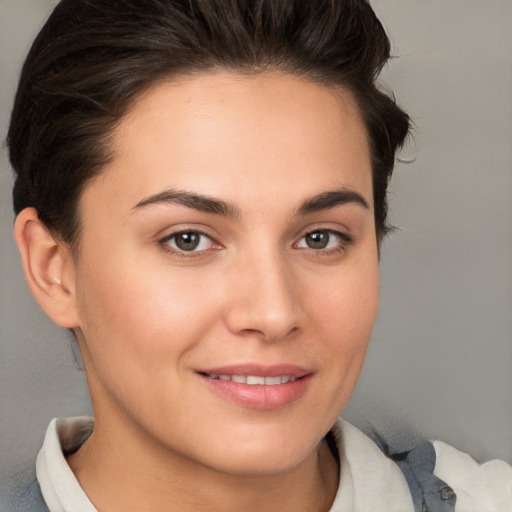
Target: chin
x,y
268,455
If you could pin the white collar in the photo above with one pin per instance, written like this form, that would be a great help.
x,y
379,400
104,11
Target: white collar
x,y
59,486
368,479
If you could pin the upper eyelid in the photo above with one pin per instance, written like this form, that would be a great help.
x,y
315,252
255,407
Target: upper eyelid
x,y
165,239
180,231
344,236
344,233
168,233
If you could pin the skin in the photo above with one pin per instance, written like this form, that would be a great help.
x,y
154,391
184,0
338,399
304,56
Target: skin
x,y
148,316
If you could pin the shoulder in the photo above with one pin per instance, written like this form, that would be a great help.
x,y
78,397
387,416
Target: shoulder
x,y
369,480
21,493
34,501
477,486
433,474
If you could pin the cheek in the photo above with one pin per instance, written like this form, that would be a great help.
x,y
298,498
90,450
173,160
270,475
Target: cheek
x,y
133,318
141,330
344,316
348,304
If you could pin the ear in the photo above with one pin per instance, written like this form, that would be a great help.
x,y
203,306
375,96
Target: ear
x,y
49,268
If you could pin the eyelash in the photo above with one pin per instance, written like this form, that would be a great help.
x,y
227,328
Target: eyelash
x,y
165,243
344,241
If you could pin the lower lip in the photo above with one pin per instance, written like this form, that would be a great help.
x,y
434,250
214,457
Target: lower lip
x,y
258,396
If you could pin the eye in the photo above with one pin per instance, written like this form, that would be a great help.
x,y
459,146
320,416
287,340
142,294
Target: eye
x,y
188,241
323,239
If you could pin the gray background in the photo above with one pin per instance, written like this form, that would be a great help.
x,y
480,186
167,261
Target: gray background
x,y
441,354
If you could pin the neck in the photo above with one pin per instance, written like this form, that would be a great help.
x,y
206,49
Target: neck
x,y
149,476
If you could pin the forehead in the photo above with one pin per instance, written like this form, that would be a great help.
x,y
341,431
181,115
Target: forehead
x,y
236,136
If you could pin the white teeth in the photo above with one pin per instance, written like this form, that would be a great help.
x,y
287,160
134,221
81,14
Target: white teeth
x,y
255,379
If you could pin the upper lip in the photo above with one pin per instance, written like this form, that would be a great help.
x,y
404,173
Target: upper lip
x,y
259,370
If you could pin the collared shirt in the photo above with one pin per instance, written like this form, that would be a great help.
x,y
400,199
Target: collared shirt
x,y
369,480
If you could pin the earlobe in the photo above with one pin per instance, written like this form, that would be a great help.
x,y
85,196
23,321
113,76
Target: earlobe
x,y
48,267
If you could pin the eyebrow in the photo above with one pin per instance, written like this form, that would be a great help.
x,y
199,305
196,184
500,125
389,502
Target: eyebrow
x,y
320,202
191,200
331,199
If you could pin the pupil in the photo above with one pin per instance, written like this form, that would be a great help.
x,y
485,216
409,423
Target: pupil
x,y
187,241
317,240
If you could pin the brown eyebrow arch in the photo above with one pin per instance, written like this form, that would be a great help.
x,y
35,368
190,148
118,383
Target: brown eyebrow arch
x,y
323,201
327,200
191,200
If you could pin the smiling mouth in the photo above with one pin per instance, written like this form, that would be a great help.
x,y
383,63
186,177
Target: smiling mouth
x,y
254,380
259,387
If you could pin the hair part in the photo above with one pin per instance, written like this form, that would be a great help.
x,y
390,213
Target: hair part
x,y
94,58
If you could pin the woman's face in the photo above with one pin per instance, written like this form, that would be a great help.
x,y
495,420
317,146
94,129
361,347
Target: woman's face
x,y
228,274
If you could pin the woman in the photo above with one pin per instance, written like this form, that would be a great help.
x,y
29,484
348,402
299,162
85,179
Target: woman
x,y
200,197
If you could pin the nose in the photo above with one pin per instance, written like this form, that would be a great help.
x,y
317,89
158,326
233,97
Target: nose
x,y
264,299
